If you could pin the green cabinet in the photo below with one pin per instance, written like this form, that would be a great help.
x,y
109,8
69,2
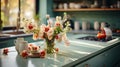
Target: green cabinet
x,y
106,59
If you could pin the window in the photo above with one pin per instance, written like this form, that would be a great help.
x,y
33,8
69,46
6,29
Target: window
x,y
10,9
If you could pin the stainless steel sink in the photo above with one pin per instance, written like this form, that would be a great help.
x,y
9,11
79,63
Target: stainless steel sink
x,y
15,33
6,34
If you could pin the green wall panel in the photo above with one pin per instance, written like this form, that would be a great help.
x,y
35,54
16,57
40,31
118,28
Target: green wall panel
x,y
112,17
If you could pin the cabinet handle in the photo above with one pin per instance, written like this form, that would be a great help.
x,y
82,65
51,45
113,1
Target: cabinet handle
x,y
87,65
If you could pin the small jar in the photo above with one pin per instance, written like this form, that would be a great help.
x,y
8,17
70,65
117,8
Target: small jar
x,y
65,6
96,25
102,25
84,25
60,6
76,26
118,4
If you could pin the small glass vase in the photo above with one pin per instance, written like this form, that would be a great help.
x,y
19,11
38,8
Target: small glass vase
x,y
49,46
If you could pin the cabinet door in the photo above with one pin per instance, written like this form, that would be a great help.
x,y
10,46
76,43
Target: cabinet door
x,y
106,59
6,43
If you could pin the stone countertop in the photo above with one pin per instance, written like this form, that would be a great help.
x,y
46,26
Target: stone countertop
x,y
9,36
78,49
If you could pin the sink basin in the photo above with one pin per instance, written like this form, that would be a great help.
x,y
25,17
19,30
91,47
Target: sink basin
x,y
94,38
12,34
15,33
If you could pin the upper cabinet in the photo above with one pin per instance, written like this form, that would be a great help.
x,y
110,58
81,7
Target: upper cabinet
x,y
86,5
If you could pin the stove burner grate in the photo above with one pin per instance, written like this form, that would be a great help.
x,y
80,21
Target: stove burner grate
x,y
94,38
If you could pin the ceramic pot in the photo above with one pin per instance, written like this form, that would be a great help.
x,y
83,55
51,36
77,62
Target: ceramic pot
x,y
76,26
96,25
84,25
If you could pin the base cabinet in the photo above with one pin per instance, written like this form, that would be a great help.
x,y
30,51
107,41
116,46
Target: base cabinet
x,y
108,58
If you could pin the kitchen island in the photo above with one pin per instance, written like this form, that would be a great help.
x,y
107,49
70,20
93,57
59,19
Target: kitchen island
x,y
77,54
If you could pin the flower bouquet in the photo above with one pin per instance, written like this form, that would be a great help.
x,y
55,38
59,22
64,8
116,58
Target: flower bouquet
x,y
49,33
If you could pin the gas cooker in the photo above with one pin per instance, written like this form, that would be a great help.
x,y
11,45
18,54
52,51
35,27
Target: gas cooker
x,y
94,38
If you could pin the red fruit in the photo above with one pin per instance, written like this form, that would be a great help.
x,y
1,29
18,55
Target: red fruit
x,y
24,54
56,49
5,51
42,53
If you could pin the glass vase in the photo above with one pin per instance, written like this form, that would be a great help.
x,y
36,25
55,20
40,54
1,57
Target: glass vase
x,y
50,46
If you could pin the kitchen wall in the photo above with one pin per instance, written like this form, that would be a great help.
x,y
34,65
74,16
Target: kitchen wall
x,y
112,17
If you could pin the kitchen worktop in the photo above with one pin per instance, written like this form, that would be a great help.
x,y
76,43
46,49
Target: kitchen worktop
x,y
8,35
67,55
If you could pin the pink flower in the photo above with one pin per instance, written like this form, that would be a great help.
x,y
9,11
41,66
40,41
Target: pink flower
x,y
24,54
30,26
66,41
50,33
41,34
47,28
42,54
5,51
57,24
57,37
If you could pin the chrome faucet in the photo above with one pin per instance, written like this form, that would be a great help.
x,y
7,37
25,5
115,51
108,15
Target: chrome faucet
x,y
18,19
